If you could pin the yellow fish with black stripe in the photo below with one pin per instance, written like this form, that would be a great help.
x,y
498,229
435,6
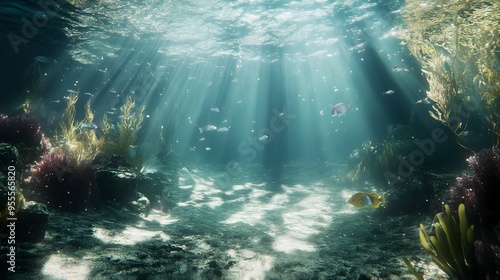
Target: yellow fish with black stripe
x,y
364,199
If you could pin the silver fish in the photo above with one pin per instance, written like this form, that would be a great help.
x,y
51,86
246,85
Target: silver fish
x,y
208,127
340,109
88,126
223,129
424,101
44,59
389,92
400,69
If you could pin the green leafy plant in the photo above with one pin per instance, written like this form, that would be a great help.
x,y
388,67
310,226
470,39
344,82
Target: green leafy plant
x,y
451,246
413,270
375,160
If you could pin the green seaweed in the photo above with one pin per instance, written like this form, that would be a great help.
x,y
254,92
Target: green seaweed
x,y
451,245
412,269
457,43
122,140
376,160
82,144
128,127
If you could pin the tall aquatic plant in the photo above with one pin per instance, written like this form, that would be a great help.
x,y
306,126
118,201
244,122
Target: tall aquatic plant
x,y
128,126
121,139
74,138
457,43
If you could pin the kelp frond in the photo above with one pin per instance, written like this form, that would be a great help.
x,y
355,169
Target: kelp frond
x,y
79,139
457,43
451,245
128,126
68,134
79,143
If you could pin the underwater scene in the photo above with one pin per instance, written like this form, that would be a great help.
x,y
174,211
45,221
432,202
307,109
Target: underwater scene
x,y
250,139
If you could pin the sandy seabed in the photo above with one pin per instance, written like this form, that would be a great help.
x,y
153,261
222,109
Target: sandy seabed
x,y
252,224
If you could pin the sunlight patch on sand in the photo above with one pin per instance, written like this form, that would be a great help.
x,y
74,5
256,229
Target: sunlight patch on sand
x,y
160,217
60,267
128,236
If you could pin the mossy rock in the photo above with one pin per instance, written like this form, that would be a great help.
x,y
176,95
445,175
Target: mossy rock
x,y
117,184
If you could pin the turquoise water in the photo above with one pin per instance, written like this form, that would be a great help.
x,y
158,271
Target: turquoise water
x,y
257,115
237,65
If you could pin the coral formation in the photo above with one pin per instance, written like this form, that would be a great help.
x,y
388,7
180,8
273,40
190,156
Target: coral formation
x,y
480,190
457,44
61,182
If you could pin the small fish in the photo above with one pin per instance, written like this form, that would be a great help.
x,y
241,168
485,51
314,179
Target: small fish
x,y
424,101
341,109
223,129
208,127
44,59
73,91
400,69
363,199
215,110
86,126
389,92
55,101
89,94
263,138
465,133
